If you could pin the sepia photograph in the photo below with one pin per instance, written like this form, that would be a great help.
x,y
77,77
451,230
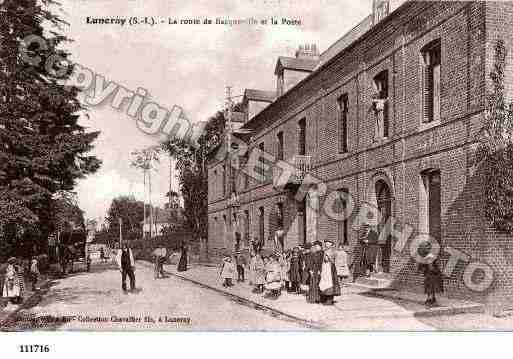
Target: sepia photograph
x,y
255,166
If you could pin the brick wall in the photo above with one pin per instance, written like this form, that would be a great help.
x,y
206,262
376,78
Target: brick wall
x,y
467,31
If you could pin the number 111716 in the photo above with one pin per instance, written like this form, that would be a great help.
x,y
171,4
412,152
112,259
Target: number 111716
x,y
34,348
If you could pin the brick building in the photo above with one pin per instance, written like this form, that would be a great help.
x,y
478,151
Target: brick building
x,y
389,115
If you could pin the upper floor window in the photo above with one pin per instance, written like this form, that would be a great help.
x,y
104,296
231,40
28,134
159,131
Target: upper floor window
x,y
247,226
342,122
245,159
224,180
431,54
261,225
261,167
302,137
380,103
279,155
280,215
215,182
233,176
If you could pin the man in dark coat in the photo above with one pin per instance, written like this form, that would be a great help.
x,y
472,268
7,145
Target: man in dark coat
x,y
126,264
182,264
305,261
295,271
433,280
241,262
371,252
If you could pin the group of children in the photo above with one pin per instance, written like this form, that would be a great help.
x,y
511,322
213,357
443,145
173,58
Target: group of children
x,y
265,272
317,270
270,273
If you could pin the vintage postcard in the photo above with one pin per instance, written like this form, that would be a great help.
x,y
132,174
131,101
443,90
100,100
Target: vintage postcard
x,y
251,165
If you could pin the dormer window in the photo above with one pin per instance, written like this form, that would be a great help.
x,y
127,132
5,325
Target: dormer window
x,y
380,105
291,70
279,84
279,155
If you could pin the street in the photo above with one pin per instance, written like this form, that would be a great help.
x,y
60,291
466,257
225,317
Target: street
x,y
95,301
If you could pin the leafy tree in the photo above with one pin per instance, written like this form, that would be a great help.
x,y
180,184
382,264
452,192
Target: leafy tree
x,y
495,153
191,163
68,215
43,149
131,212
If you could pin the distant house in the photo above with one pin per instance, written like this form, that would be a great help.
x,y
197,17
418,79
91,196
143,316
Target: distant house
x,y
162,218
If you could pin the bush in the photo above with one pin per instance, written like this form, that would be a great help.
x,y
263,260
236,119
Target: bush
x,y
495,152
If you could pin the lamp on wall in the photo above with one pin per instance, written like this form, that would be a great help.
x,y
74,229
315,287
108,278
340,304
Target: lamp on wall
x,y
378,104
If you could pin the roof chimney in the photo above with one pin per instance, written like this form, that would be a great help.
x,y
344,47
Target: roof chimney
x,y
380,10
307,51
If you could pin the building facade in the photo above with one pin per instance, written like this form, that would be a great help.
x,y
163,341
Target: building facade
x,y
390,120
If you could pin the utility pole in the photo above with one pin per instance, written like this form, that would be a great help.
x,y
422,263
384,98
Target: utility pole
x,y
144,202
149,200
120,231
229,109
170,181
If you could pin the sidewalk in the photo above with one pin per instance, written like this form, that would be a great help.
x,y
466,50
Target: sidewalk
x,y
357,308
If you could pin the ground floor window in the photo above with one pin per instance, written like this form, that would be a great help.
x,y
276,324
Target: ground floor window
x,y
430,204
341,205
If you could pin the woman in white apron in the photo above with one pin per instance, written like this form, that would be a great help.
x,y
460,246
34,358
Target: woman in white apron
x,y
12,285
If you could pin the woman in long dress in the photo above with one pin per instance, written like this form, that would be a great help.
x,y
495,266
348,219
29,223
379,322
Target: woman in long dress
x,y
329,284
182,264
12,289
273,277
314,269
433,280
259,272
284,270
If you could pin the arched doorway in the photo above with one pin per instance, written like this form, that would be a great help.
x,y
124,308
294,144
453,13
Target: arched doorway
x,y
384,203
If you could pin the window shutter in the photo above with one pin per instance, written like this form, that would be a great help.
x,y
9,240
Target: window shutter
x,y
302,137
342,123
344,131
436,92
427,88
385,120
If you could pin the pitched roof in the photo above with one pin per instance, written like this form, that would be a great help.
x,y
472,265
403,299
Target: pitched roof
x,y
238,117
294,63
346,40
260,95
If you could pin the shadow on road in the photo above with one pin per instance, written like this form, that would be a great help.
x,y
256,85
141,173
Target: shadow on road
x,y
22,319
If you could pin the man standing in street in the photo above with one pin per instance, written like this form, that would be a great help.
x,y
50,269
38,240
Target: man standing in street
x,y
241,264
126,264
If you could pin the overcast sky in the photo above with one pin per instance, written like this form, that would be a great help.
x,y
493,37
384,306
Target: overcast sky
x,y
185,65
